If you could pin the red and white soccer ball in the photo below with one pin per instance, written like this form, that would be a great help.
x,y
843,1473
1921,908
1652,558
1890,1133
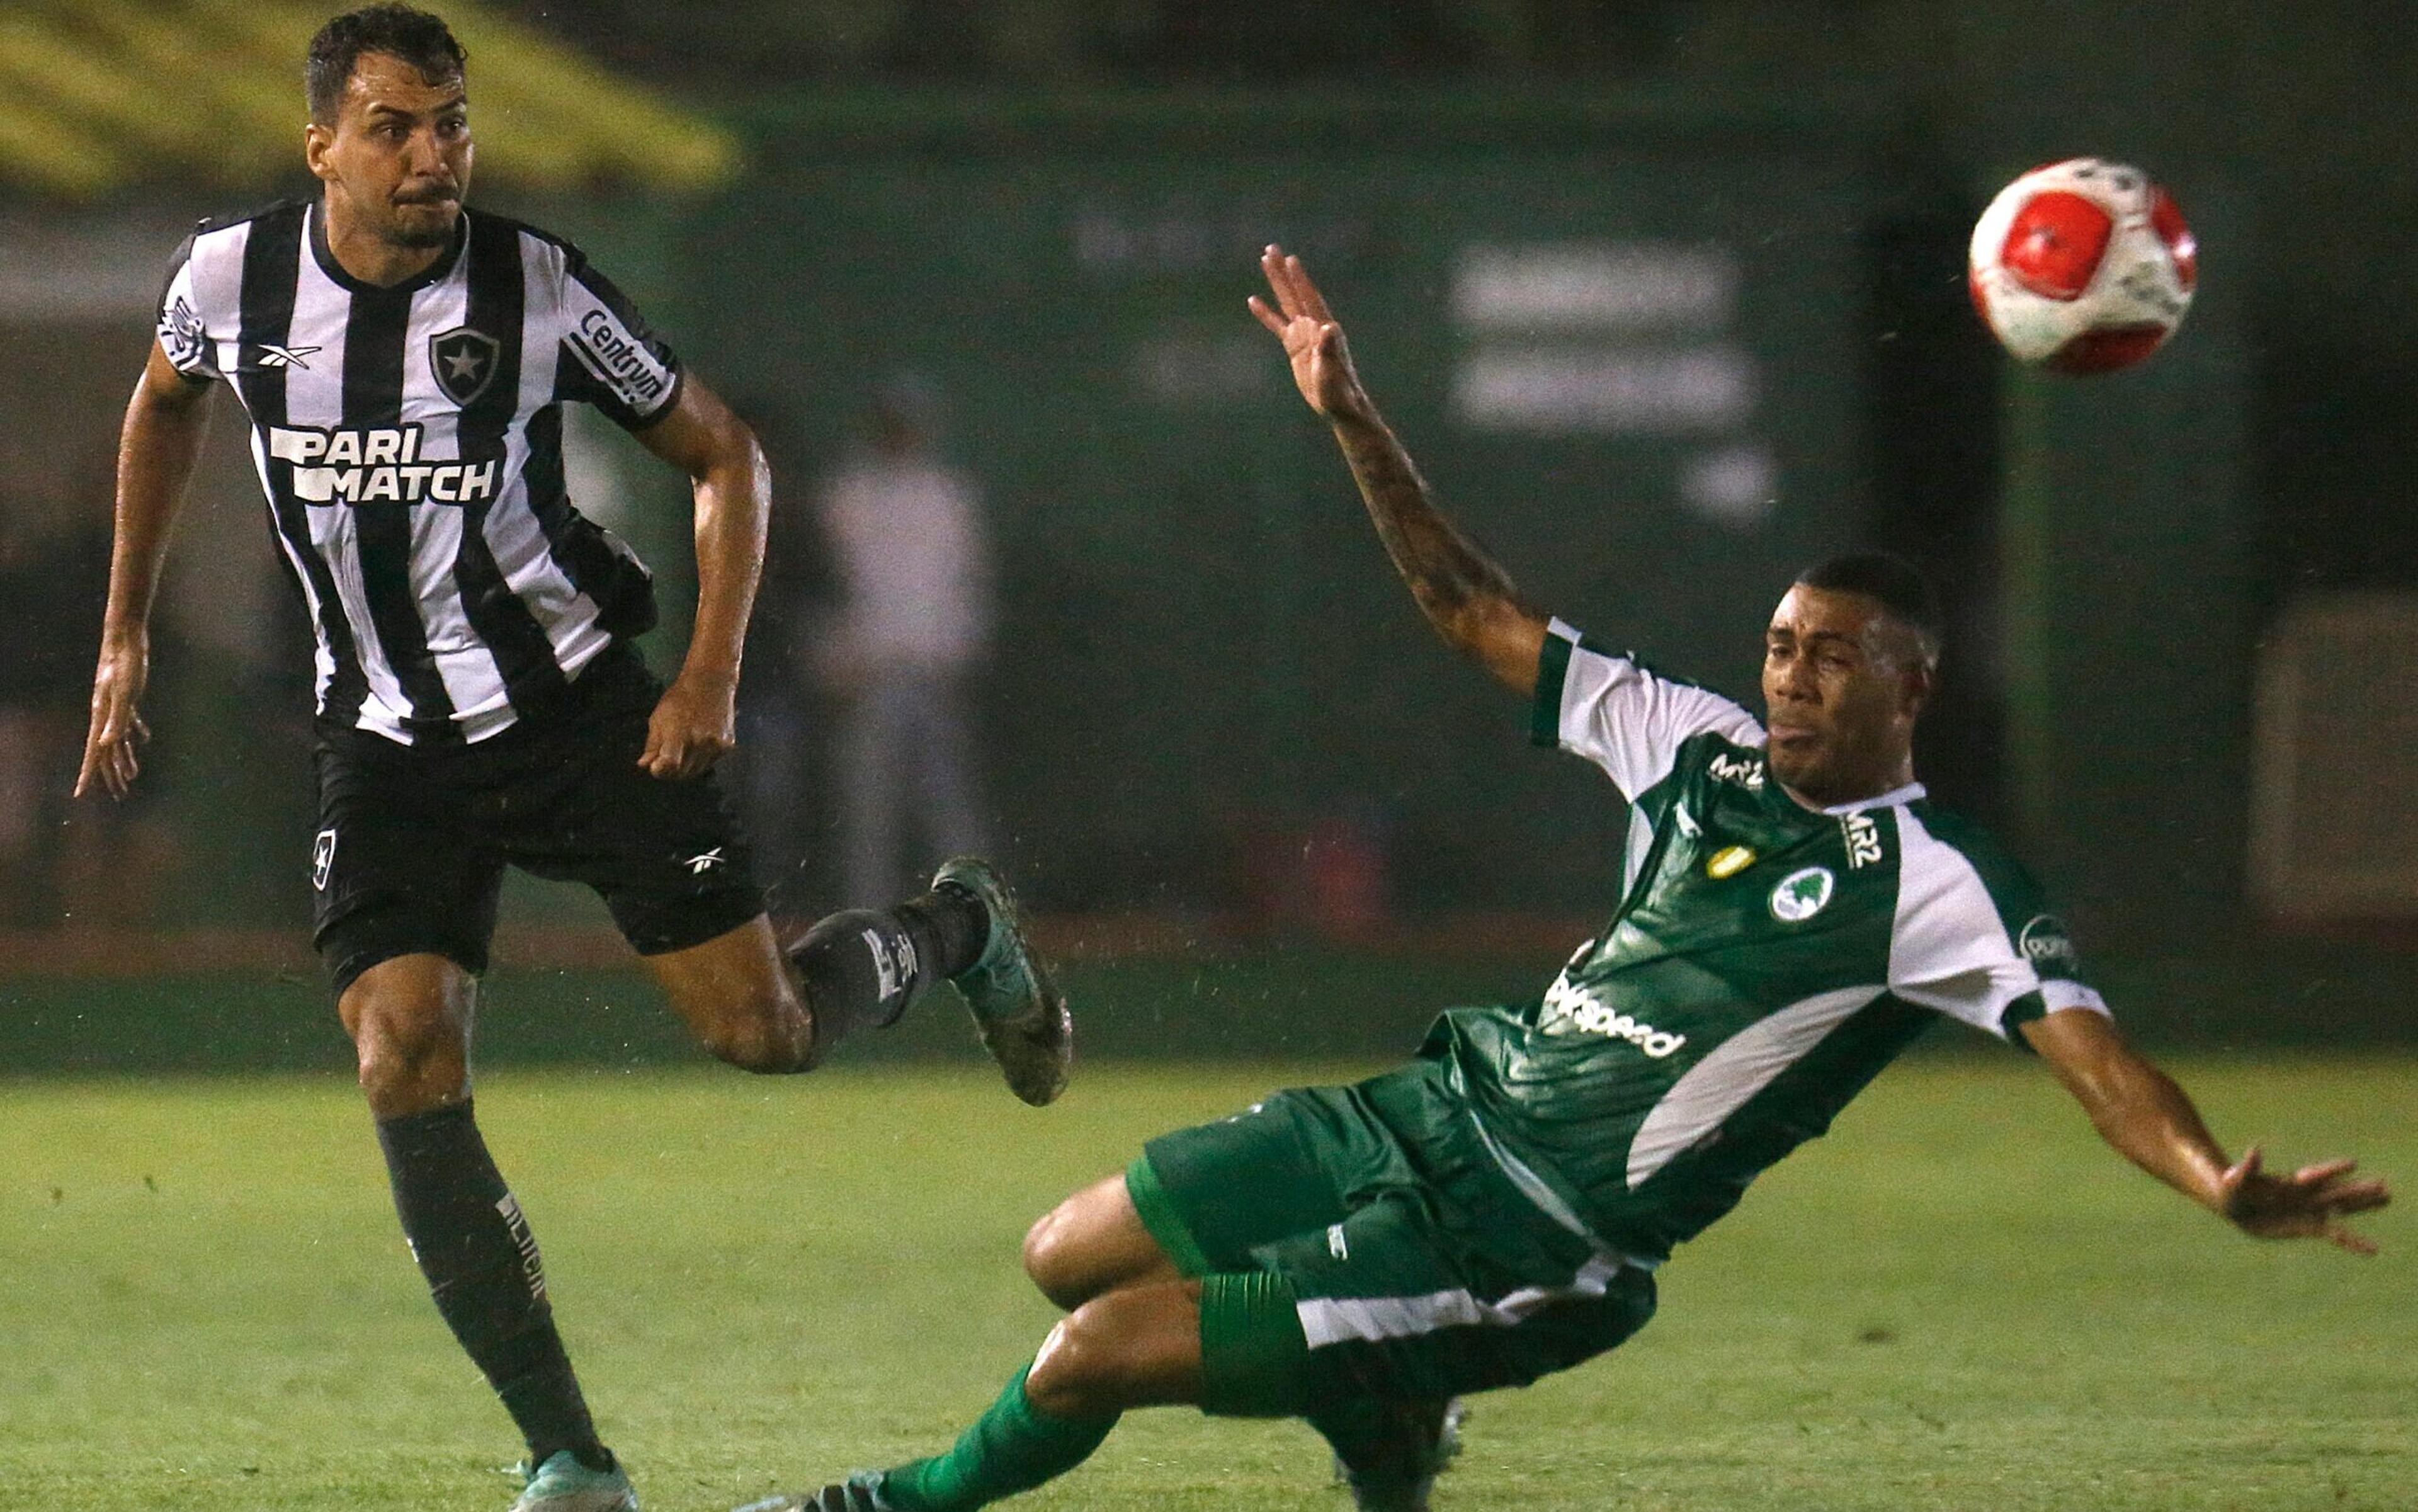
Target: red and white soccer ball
x,y
2083,266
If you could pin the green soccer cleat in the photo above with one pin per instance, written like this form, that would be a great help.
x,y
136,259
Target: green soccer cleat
x,y
859,1493
1018,1010
562,1483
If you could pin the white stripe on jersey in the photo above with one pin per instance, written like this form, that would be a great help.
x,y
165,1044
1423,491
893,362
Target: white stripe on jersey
x,y
1735,1070
473,683
515,535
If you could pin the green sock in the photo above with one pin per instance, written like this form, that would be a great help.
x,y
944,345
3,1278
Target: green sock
x,y
1012,1447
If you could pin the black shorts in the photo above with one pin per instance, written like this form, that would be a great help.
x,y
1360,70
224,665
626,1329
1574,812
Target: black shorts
x,y
413,840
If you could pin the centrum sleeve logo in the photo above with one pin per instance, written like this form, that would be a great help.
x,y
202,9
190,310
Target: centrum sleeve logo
x,y
619,360
2046,945
1802,894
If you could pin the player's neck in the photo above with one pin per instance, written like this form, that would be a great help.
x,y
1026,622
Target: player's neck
x,y
1897,779
365,255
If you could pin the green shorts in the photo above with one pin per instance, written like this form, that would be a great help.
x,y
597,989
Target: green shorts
x,y
1414,1267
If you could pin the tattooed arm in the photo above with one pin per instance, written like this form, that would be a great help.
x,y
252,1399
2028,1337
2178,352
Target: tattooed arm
x,y
1464,592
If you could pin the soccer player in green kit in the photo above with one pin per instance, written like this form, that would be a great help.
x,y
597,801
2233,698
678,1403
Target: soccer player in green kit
x,y
1795,913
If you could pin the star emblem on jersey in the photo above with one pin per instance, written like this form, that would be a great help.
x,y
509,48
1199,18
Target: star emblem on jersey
x,y
1801,894
464,363
323,859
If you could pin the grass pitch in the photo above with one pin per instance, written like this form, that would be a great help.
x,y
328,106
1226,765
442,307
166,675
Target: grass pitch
x,y
1957,1301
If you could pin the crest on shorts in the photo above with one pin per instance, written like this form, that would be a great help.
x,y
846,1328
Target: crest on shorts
x,y
323,859
1800,895
463,361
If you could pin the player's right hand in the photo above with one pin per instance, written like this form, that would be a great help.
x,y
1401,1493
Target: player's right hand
x,y
108,759
1313,341
2310,1203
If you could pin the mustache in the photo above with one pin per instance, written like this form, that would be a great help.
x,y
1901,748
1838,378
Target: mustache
x,y
429,196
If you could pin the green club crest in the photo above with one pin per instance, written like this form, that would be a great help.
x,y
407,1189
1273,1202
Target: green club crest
x,y
1802,894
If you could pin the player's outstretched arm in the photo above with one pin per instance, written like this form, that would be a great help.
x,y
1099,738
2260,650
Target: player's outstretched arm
x,y
1464,592
697,721
155,451
2151,1121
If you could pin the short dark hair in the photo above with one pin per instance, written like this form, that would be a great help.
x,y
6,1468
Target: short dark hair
x,y
417,38
1896,584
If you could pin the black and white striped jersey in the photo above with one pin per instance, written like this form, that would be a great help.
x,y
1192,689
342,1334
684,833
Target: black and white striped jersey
x,y
409,440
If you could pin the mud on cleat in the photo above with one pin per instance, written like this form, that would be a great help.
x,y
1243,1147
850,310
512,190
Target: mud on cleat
x,y
1018,1010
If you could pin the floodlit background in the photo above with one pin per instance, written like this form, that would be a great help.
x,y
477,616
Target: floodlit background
x,y
1667,297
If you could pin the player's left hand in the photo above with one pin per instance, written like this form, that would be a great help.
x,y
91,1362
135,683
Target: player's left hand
x,y
2309,1203
693,725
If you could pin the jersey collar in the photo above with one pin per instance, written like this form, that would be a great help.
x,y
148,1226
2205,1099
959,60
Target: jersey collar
x,y
1895,796
316,215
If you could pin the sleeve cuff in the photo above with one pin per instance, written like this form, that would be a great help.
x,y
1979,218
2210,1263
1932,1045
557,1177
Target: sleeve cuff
x,y
1552,670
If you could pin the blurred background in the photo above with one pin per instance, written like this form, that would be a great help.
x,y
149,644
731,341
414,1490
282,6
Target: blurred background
x,y
1666,296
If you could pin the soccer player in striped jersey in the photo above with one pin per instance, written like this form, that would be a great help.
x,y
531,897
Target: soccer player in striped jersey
x,y
403,362
1794,912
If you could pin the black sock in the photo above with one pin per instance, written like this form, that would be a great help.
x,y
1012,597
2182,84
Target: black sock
x,y
957,923
864,968
481,1263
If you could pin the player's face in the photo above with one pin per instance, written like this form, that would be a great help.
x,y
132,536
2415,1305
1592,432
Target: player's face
x,y
1841,685
399,152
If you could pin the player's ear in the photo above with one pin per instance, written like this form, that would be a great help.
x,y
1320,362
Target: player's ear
x,y
1915,685
317,140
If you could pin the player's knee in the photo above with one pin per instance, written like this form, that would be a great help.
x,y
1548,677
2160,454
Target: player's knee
x,y
1081,1370
1053,1257
768,1037
409,1060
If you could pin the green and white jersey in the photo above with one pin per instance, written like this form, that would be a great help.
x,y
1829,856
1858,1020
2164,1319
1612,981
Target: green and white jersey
x,y
1767,961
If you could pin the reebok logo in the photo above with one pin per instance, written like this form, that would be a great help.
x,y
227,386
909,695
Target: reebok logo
x,y
1580,1007
699,865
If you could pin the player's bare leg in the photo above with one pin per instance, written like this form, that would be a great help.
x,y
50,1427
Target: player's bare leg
x,y
766,1010
1139,1347
411,1018
1094,1243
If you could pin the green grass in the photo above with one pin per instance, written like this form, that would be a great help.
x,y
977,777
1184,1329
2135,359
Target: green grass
x,y
1958,1301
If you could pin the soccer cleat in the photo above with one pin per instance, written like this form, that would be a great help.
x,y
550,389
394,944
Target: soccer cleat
x,y
1018,1010
562,1483
1430,1440
859,1493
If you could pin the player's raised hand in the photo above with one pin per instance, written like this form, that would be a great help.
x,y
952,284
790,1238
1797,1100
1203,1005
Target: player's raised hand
x,y
110,762
1313,341
2309,1203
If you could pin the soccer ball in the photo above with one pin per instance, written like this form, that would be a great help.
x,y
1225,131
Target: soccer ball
x,y
2083,266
